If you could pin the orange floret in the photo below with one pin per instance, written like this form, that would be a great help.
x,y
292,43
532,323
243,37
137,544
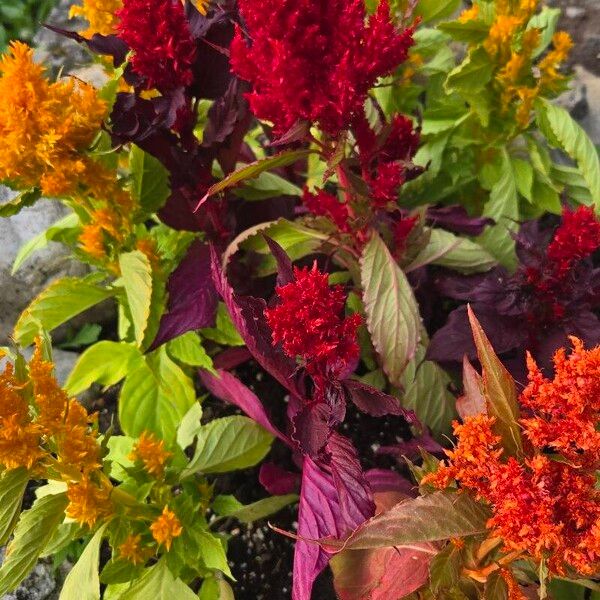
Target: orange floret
x,y
88,502
151,453
166,528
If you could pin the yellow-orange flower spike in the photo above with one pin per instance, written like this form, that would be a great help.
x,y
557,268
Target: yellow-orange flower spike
x,y
166,528
45,127
469,14
100,15
19,437
88,502
151,453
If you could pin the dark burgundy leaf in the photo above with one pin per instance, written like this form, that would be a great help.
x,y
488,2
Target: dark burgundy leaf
x,y
411,449
228,388
225,113
192,296
376,403
278,481
285,270
247,314
296,133
454,340
312,427
231,358
455,218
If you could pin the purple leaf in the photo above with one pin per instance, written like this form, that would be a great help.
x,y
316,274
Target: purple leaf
x,y
376,403
335,498
386,480
296,133
228,388
247,314
312,427
278,481
231,358
455,218
454,340
285,270
192,296
225,113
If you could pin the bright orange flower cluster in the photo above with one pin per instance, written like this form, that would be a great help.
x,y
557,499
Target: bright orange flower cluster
x,y
166,528
541,506
151,453
53,432
100,15
45,127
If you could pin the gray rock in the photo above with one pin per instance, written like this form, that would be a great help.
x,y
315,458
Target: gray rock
x,y
55,51
39,585
574,12
591,120
46,265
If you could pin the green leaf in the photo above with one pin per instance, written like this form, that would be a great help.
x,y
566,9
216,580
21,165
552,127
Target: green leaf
x,y
158,583
472,31
444,571
212,551
224,332
433,10
297,241
426,391
120,448
136,272
257,510
435,517
82,582
155,397
453,252
19,202
283,159
34,529
523,172
499,390
472,74
60,301
149,180
392,312
229,444
40,241
495,587
503,207
557,124
188,349
574,184
12,488
105,363
565,590
190,426
546,21
215,589
267,185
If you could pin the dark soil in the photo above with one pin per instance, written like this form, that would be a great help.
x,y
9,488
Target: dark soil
x,y
261,560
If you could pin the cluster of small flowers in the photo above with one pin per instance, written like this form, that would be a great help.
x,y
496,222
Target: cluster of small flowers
x,y
315,61
309,323
576,238
56,438
512,44
46,127
543,506
158,32
100,15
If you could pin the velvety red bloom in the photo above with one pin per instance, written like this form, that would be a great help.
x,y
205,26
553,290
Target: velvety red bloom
x,y
315,60
309,323
327,205
577,237
158,33
401,230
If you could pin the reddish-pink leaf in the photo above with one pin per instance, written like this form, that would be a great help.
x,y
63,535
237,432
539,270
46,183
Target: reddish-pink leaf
x,y
472,402
499,389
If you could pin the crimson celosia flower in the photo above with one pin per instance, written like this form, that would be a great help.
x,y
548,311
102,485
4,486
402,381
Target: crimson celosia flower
x,y
577,237
327,205
158,33
315,60
310,324
544,507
